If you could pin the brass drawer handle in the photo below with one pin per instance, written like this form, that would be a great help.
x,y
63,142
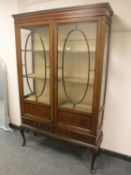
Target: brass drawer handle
x,y
73,135
36,125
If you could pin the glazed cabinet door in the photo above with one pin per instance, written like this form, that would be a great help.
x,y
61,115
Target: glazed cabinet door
x,y
36,72
75,71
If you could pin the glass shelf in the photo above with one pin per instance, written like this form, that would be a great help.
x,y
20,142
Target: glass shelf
x,y
83,107
74,40
77,80
66,79
60,51
40,99
35,51
35,75
76,51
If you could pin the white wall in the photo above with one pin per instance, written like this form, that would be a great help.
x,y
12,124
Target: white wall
x,y
117,119
7,53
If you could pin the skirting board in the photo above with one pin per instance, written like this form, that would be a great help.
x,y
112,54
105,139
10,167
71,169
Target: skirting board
x,y
116,155
104,151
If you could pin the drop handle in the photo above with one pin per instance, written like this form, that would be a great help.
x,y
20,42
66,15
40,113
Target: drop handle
x,y
36,125
73,135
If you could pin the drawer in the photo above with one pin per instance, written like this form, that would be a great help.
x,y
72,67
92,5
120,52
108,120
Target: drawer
x,y
37,125
74,119
75,135
38,112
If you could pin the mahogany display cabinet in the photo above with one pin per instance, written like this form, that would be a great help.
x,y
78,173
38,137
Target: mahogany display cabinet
x,y
62,60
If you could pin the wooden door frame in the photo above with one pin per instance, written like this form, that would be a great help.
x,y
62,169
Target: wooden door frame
x,y
18,27
70,21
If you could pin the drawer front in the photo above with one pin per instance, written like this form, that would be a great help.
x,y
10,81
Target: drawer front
x,y
73,119
37,125
34,110
75,135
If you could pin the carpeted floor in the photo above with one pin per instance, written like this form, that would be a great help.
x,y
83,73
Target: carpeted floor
x,y
44,156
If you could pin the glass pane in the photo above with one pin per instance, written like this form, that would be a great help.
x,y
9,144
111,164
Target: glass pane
x,y
76,65
104,72
36,63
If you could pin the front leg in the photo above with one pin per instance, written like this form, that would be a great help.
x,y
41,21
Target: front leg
x,y
23,136
94,154
99,152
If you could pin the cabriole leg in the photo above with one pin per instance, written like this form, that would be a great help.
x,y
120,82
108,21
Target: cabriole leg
x,y
23,136
94,154
99,152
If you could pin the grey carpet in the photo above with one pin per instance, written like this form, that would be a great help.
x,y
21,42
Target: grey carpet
x,y
44,156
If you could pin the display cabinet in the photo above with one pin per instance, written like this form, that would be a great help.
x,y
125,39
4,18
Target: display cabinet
x,y
62,58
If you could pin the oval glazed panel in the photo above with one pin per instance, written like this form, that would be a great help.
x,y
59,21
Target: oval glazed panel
x,y
40,59
75,47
